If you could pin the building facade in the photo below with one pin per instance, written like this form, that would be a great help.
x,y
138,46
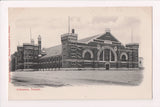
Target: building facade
x,y
99,51
26,56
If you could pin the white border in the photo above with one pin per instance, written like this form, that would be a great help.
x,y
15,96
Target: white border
x,y
78,103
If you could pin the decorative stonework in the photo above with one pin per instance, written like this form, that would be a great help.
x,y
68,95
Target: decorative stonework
x,y
106,47
125,54
87,50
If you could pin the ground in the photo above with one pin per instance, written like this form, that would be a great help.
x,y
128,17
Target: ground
x,y
73,78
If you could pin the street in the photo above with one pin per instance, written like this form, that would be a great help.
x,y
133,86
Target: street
x,y
76,78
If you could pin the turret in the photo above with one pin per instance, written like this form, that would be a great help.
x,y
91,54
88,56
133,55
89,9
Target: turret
x,y
67,39
39,43
133,56
132,45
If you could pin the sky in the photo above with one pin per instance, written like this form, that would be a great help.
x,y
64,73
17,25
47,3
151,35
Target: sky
x,y
50,23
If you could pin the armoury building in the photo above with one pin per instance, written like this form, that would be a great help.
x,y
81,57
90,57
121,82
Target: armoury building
x,y
98,51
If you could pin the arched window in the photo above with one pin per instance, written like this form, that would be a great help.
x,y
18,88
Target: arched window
x,y
124,58
87,56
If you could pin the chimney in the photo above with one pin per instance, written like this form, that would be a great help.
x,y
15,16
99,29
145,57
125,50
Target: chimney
x,y
72,30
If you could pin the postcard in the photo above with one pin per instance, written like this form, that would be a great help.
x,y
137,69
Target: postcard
x,y
80,53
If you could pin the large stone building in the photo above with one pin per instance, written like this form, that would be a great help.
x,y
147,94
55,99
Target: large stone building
x,y
26,56
99,51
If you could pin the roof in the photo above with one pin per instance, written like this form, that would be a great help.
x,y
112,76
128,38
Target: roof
x,y
57,50
85,40
105,36
132,44
52,51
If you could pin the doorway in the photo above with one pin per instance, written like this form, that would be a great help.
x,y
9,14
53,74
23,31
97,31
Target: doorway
x,y
107,66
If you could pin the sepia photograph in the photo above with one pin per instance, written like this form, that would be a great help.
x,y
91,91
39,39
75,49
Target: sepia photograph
x,y
80,53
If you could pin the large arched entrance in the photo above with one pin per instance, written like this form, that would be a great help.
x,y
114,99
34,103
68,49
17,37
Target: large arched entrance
x,y
106,54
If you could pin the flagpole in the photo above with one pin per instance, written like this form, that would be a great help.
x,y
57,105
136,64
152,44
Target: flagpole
x,y
132,42
30,34
131,35
68,24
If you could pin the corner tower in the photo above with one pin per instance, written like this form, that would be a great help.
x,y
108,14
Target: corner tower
x,y
67,40
133,56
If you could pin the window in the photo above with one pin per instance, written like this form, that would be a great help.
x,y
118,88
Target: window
x,y
106,55
112,56
87,56
123,58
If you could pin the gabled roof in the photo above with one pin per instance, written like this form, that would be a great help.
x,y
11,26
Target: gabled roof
x,y
105,36
85,40
57,50
108,36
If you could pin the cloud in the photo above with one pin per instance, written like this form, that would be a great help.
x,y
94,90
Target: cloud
x,y
100,19
84,26
112,22
132,21
27,22
75,18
